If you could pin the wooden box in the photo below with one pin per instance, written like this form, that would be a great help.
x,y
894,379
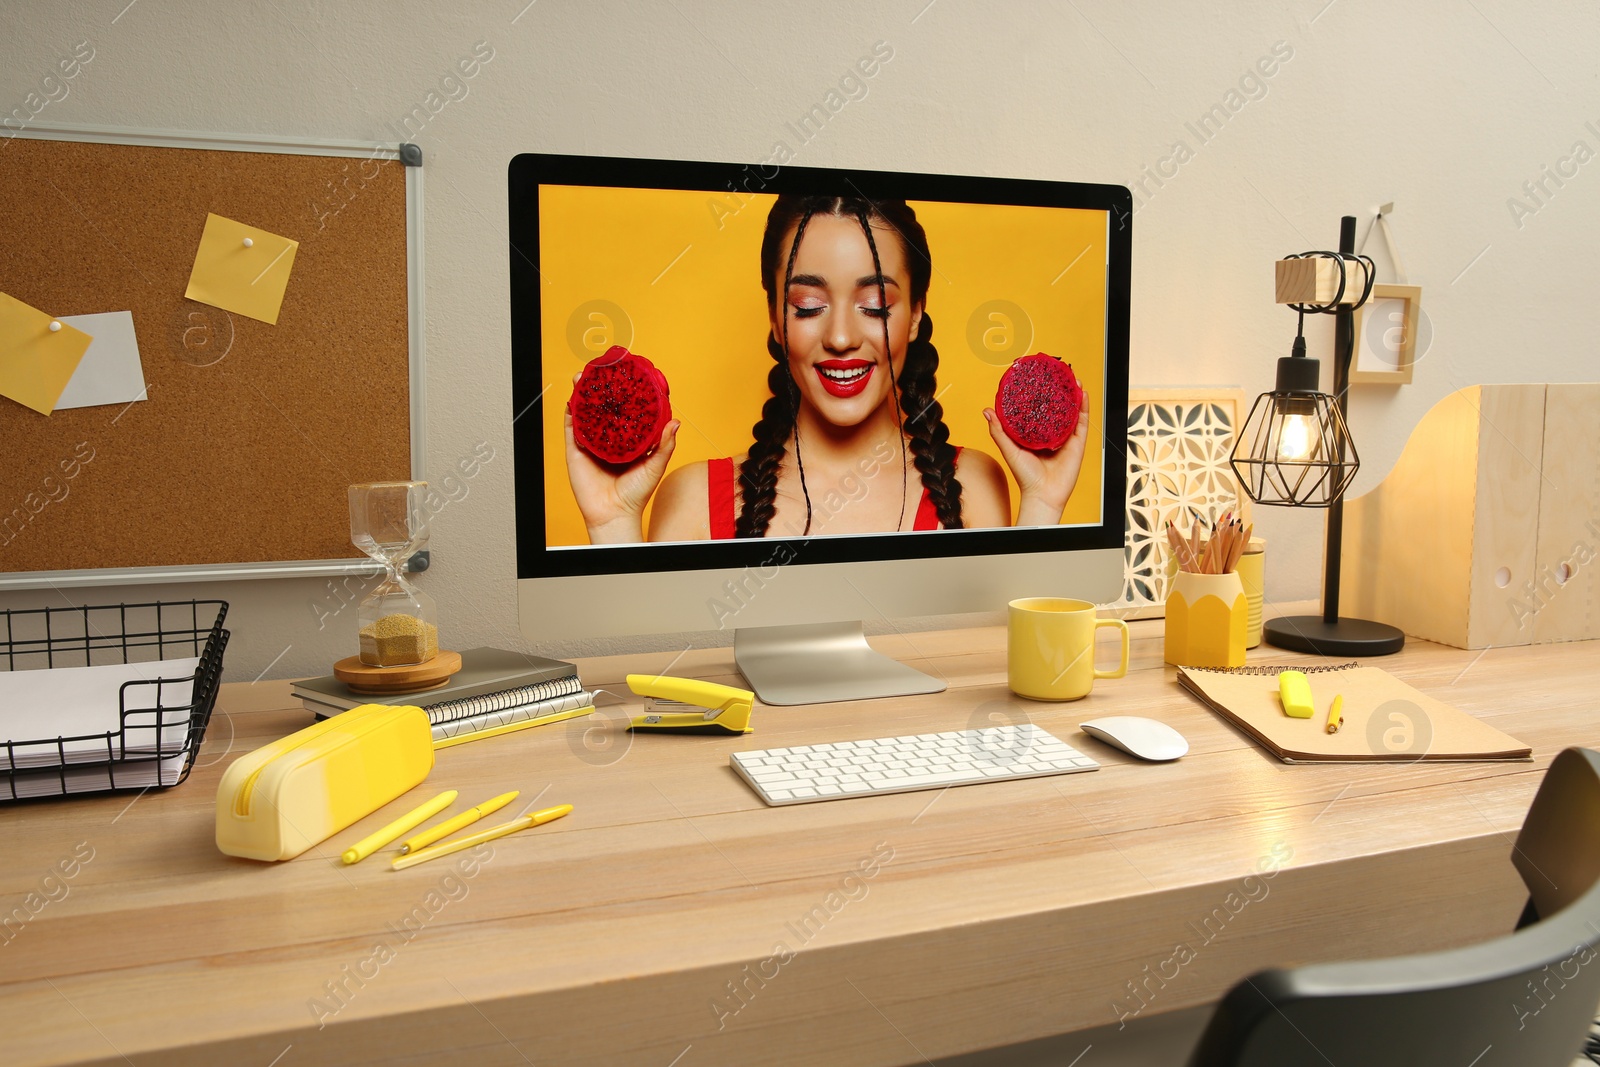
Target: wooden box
x,y
1487,531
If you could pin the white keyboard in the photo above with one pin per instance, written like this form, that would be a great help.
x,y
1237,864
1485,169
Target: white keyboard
x,y
901,764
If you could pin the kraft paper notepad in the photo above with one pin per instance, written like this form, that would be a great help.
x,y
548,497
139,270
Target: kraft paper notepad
x,y
1384,719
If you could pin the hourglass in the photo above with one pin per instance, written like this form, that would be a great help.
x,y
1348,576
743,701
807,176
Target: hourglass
x,y
398,622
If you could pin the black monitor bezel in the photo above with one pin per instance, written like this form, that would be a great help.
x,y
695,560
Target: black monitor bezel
x,y
530,170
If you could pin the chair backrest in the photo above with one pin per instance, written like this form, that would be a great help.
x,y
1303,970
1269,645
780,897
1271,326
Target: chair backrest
x,y
1524,1000
1558,851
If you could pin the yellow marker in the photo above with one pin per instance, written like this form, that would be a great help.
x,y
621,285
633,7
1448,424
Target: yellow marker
x,y
1334,720
1295,691
410,820
465,819
512,727
538,818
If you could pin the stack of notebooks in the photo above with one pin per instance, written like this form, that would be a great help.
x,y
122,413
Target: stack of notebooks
x,y
495,692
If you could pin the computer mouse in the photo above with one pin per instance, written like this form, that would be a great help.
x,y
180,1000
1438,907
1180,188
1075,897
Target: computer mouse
x,y
1145,738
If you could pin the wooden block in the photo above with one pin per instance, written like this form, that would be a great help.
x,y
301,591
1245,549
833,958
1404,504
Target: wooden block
x,y
1315,280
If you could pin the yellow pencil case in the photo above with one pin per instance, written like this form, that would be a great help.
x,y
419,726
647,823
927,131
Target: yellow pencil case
x,y
281,799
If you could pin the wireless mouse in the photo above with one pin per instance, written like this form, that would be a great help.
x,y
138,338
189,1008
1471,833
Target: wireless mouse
x,y
1145,738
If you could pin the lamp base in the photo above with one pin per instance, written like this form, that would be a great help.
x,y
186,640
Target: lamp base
x,y
1346,637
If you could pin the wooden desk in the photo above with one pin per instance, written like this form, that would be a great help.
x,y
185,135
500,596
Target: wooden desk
x,y
673,919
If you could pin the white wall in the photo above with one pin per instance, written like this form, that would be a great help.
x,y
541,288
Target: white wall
x,y
1444,108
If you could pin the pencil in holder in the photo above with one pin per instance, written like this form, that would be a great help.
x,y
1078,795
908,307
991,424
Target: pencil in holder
x,y
1207,619
1252,575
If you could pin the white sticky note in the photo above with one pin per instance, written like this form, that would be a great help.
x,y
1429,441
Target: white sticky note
x,y
110,371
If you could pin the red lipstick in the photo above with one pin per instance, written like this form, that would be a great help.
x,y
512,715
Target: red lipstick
x,y
844,377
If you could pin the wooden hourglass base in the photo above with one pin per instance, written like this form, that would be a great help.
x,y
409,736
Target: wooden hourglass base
x,y
415,678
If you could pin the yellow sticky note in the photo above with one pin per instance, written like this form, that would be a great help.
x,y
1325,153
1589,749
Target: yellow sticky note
x,y
240,268
35,362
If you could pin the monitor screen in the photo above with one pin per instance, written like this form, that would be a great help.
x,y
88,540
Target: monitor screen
x,y
926,372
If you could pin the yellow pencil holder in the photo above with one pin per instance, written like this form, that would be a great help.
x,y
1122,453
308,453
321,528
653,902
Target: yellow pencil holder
x,y
1207,619
1252,574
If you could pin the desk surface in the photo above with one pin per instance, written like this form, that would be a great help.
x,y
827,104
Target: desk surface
x,y
672,919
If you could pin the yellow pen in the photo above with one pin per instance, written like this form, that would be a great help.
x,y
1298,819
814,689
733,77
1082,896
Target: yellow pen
x,y
465,819
538,818
409,821
1334,720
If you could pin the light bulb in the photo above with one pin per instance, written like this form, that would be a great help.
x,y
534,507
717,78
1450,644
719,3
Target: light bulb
x,y
1295,437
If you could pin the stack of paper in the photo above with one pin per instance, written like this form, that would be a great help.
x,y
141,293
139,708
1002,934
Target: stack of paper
x,y
24,785
54,722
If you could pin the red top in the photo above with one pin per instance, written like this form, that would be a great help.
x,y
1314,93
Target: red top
x,y
719,485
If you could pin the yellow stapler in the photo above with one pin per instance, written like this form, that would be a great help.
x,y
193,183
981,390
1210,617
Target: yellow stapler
x,y
709,708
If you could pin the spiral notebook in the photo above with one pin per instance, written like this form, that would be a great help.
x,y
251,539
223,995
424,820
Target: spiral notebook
x,y
523,695
498,719
1384,719
484,672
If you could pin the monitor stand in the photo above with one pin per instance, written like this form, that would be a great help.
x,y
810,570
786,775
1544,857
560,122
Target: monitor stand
x,y
818,663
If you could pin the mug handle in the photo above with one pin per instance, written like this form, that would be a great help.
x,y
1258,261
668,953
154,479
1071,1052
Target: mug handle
x,y
1122,668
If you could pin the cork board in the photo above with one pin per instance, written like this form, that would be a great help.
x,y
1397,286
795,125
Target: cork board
x,y
250,433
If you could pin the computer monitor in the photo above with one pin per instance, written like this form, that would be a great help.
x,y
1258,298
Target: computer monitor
x,y
830,456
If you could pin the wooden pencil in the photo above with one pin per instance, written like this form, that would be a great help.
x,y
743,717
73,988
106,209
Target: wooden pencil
x,y
1236,547
1180,549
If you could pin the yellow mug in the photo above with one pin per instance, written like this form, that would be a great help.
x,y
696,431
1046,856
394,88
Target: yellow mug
x,y
1050,648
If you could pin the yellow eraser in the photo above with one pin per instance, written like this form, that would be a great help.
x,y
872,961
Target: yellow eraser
x,y
1295,692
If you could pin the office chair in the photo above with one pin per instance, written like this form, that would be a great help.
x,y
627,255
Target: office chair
x,y
1524,1000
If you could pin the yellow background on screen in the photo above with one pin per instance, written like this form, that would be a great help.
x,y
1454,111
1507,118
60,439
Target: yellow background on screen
x,y
675,276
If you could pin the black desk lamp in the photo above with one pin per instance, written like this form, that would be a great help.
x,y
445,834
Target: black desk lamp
x,y
1295,450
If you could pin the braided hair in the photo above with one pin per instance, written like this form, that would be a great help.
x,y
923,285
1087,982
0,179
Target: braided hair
x,y
915,390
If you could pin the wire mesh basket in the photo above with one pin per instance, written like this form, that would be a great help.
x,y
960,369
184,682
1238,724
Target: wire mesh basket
x,y
160,662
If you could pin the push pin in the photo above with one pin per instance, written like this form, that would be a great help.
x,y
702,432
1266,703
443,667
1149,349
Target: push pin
x,y
55,327
249,242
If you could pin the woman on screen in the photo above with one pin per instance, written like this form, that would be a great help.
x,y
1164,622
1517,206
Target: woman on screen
x,y
852,439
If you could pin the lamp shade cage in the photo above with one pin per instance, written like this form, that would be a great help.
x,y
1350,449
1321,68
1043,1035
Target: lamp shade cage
x,y
1294,450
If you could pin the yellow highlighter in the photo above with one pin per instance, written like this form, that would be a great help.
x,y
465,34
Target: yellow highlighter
x,y
405,823
465,819
1294,690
